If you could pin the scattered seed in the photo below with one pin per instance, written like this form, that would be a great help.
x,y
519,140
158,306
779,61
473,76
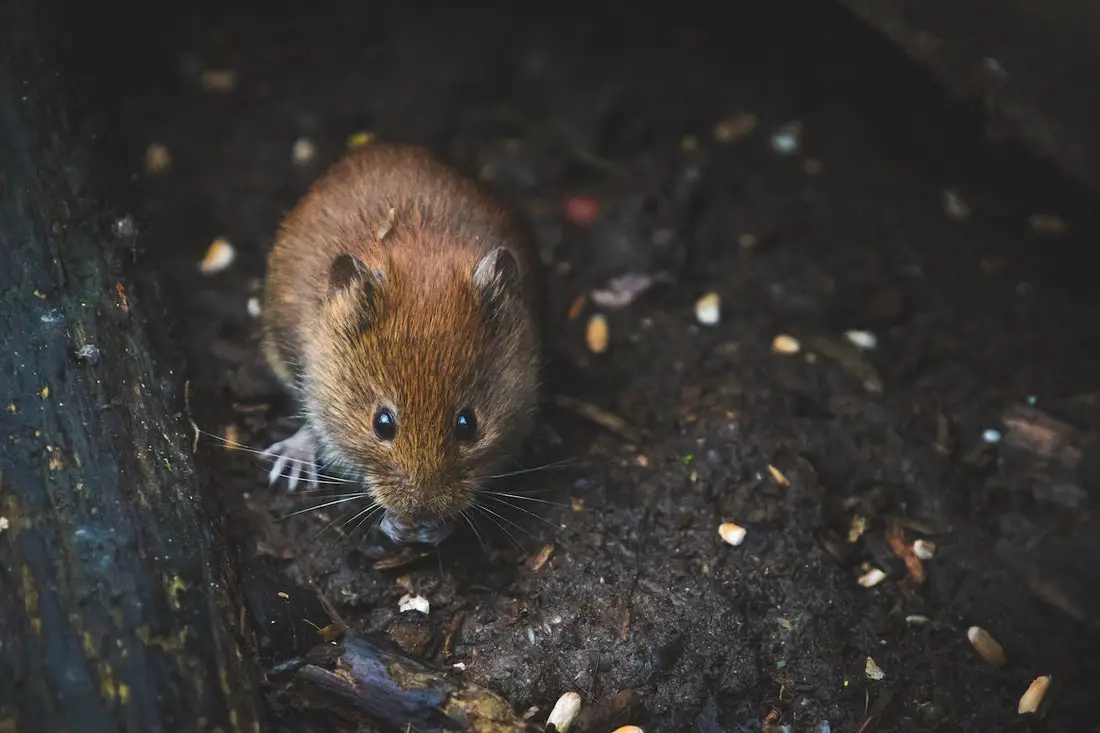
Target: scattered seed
x,y
784,344
954,205
778,476
628,729
218,80
157,158
872,670
219,256
4,523
924,549
857,528
359,139
1033,698
581,209
577,307
596,334
916,620
284,595
732,534
986,646
871,578
735,128
747,240
460,666
788,138
862,339
232,435
708,309
577,504
536,562
410,602
254,308
303,151
1047,224
565,710
991,436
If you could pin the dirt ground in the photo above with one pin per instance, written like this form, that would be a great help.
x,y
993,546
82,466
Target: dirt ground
x,y
675,132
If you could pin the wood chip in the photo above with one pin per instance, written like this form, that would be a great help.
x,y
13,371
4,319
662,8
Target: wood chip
x,y
1033,698
778,476
596,334
986,646
784,344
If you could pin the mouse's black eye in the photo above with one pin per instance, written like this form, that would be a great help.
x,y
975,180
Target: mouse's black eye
x,y
466,425
385,424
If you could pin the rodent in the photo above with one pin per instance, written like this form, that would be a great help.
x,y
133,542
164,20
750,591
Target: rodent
x,y
400,311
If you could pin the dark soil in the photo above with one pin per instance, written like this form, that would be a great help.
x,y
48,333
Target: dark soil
x,y
972,317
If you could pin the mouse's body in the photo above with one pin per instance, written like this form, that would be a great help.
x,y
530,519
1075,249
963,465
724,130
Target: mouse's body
x,y
399,310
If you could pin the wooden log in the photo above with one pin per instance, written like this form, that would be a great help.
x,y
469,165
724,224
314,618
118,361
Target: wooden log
x,y
118,608
1032,64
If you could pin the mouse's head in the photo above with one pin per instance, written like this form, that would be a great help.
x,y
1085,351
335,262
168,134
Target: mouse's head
x,y
423,379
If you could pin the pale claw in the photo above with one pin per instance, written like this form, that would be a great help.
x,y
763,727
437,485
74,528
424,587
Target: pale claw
x,y
298,452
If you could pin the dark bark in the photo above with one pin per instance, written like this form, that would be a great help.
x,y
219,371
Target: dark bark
x,y
1032,64
117,609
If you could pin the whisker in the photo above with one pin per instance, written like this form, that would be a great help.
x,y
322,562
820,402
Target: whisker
x,y
321,477
346,498
487,513
477,534
521,497
525,511
533,469
509,521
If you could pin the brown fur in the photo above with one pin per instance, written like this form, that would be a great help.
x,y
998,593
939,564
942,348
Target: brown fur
x,y
421,337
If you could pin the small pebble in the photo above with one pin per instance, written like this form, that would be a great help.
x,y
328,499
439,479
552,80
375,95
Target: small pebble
x,y
784,344
565,710
991,436
88,353
708,309
1047,224
862,339
871,578
157,158
596,333
872,670
924,550
732,534
409,602
954,205
219,256
1033,698
303,151
254,308
733,129
986,646
788,138
218,80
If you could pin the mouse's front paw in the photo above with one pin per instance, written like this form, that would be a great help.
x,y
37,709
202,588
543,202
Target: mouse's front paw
x,y
292,456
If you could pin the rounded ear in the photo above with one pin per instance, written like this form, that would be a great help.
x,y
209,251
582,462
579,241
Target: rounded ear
x,y
348,273
496,270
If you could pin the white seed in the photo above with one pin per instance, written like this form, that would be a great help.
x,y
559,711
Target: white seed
x,y
460,666
924,549
409,602
871,578
784,344
303,151
862,339
565,710
254,309
4,523
708,309
954,205
917,620
991,436
1033,698
219,256
596,333
732,534
986,646
872,670
157,158
788,138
